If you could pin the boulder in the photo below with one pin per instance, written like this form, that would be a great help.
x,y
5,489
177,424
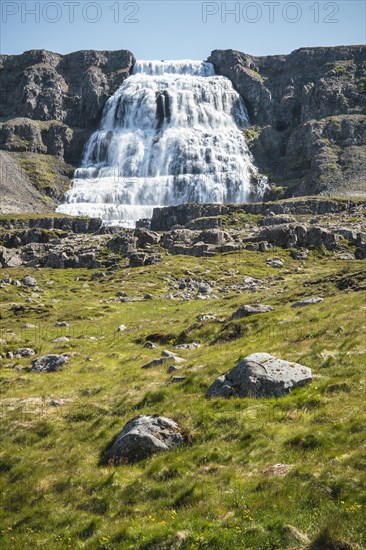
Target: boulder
x,y
49,363
10,258
146,237
142,437
307,302
299,254
157,362
275,262
260,375
30,281
139,259
23,352
150,345
250,309
191,345
172,368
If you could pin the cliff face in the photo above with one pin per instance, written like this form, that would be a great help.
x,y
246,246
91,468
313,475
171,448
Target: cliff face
x,y
307,112
308,115
49,106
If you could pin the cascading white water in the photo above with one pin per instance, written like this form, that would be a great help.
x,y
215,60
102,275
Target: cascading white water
x,y
171,134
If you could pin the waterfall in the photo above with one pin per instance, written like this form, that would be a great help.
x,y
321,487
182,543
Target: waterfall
x,y
171,134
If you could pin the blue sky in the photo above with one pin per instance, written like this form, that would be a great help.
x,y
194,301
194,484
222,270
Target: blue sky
x,y
179,29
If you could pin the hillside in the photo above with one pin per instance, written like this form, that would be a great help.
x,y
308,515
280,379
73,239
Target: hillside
x,y
259,473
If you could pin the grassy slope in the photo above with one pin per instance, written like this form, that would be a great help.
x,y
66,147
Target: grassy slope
x,y
213,493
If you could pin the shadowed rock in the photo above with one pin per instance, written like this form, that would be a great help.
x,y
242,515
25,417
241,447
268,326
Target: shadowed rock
x,y
260,375
49,363
142,437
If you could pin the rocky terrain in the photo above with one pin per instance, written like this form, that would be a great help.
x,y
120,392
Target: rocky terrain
x,y
299,225
194,384
307,114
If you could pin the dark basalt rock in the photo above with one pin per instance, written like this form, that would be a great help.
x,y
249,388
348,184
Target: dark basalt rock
x,y
49,363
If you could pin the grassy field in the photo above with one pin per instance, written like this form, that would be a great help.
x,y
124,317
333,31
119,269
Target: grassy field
x,y
221,490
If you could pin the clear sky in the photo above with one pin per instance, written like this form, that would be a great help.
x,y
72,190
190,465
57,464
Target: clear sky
x,y
175,29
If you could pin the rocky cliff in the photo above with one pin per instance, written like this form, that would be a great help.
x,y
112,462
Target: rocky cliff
x,y
49,105
307,111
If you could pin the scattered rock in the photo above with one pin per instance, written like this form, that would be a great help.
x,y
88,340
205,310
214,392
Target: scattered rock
x,y
121,328
30,281
206,317
172,368
98,275
204,289
139,259
23,352
307,302
275,262
150,345
61,324
250,309
148,296
142,437
167,353
60,340
260,375
48,363
156,362
191,345
29,326
299,254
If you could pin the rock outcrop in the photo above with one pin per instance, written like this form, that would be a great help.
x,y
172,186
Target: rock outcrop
x,y
307,112
58,242
50,104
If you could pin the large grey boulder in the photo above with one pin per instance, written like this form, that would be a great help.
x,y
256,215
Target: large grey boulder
x,y
250,309
142,437
10,258
30,281
260,375
49,363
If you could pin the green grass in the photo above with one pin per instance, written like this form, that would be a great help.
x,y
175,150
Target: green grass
x,y
215,492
